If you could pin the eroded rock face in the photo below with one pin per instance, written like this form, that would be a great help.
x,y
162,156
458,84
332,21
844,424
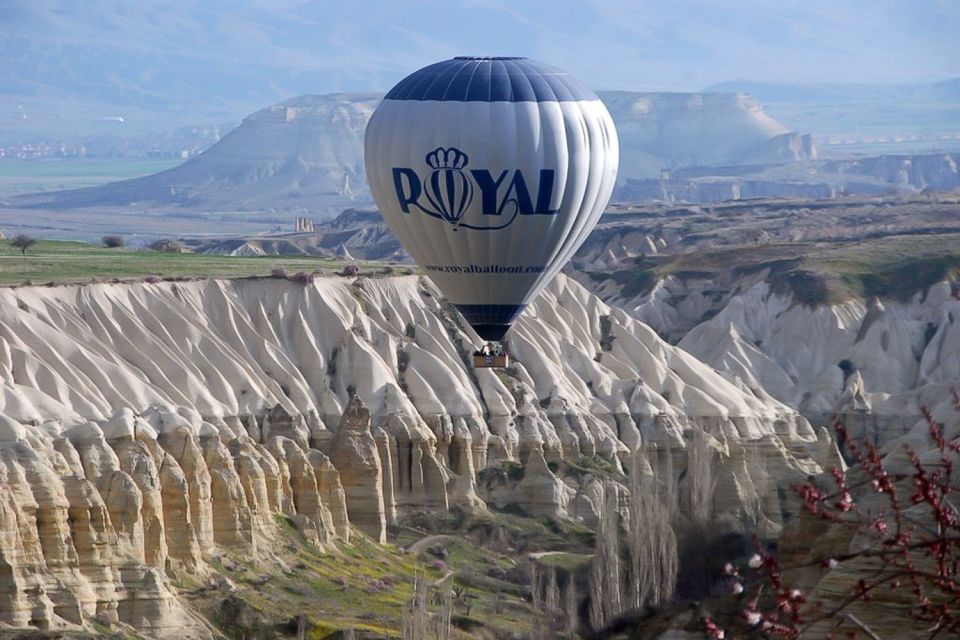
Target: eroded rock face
x,y
875,363
357,459
91,516
149,427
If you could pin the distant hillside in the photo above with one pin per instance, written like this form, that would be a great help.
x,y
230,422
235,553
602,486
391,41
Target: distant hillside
x,y
842,93
306,154
301,154
354,234
669,130
864,118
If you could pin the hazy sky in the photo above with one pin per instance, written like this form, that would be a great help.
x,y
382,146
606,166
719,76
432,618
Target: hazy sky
x,y
321,46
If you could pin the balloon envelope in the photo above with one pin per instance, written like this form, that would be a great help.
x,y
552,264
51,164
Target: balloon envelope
x,y
491,172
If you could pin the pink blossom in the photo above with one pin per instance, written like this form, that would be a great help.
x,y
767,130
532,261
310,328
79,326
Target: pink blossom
x,y
755,561
713,631
846,501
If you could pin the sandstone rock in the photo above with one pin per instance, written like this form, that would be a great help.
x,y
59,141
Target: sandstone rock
x,y
232,520
541,492
331,492
280,423
387,466
161,425
72,555
355,455
306,494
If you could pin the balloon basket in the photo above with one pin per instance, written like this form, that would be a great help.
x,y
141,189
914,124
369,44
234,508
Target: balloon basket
x,y
491,356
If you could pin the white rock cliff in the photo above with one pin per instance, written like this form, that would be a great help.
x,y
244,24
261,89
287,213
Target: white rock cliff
x,y
145,428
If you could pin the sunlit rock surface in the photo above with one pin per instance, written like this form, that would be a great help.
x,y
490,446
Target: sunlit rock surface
x,y
147,427
876,363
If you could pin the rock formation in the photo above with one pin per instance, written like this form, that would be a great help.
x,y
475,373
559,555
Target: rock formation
x,y
303,154
145,429
303,225
668,130
355,456
876,363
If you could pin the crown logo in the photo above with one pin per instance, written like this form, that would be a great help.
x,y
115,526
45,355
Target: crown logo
x,y
452,159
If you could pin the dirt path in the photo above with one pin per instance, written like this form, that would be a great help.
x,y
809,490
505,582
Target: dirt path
x,y
423,543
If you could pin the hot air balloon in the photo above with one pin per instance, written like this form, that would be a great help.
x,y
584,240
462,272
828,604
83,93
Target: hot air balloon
x,y
491,172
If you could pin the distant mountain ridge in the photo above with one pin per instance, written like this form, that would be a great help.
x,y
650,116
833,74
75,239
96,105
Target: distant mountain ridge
x,y
354,234
305,154
904,118
832,93
668,130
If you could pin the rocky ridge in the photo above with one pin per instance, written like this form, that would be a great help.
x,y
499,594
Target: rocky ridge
x,y
145,429
877,362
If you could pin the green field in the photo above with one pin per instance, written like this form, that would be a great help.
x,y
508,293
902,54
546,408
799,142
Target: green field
x,y
28,176
66,262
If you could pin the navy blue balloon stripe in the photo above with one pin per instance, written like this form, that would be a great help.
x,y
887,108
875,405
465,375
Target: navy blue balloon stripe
x,y
491,80
490,313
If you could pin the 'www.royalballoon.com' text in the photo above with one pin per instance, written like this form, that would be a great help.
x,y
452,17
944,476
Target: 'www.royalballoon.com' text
x,y
482,268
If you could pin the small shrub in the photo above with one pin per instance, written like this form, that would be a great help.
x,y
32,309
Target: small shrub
x,y
606,333
376,586
350,270
332,363
152,279
279,273
303,278
113,242
169,246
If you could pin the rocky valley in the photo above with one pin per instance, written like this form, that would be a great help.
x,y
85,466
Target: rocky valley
x,y
179,454
153,432
233,406
849,308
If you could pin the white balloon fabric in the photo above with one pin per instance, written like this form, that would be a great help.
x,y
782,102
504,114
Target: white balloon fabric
x,y
491,172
